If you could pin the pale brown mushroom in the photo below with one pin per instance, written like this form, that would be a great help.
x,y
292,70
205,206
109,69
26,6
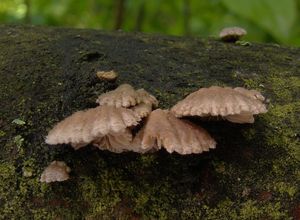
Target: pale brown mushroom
x,y
57,171
109,76
218,101
83,127
232,34
126,96
163,129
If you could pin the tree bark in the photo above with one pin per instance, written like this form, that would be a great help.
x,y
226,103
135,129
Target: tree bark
x,y
48,73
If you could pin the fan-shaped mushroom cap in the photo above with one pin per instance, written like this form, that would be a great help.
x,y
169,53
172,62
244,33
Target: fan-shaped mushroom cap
x,y
56,171
251,93
232,33
126,96
83,127
163,129
219,101
115,142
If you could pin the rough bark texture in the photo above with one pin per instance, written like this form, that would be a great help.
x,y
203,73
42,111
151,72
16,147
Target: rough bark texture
x,y
48,73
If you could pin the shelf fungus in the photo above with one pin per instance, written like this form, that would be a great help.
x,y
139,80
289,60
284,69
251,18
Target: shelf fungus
x,y
163,129
236,105
57,171
232,34
92,125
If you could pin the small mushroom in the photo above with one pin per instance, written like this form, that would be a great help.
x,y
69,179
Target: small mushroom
x,y
83,127
229,103
232,34
109,76
163,129
57,171
126,96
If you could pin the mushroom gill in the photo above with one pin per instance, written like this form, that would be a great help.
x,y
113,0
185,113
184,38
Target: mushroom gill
x,y
83,127
57,171
116,142
163,129
226,102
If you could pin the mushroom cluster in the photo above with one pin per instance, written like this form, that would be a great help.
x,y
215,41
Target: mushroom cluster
x,y
113,124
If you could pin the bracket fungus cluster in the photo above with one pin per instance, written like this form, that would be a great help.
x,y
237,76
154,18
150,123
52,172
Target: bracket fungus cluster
x,y
110,125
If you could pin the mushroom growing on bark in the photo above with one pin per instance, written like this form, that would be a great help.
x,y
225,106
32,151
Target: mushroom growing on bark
x,y
57,171
232,34
163,129
84,127
231,104
109,76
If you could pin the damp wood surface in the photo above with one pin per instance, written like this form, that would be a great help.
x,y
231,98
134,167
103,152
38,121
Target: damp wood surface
x,y
48,73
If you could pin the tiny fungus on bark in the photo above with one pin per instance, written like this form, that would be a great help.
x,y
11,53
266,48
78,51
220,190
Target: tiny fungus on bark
x,y
235,105
57,171
232,34
163,129
109,76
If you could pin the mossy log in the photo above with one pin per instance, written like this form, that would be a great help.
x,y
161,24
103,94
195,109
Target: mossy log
x,y
48,73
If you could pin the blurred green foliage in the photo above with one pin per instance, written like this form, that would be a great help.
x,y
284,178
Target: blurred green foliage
x,y
265,20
